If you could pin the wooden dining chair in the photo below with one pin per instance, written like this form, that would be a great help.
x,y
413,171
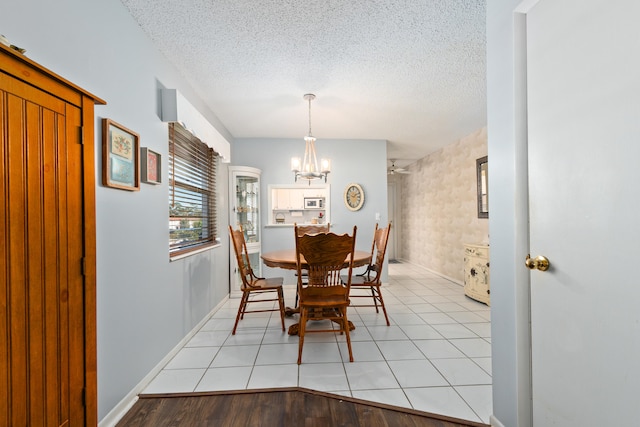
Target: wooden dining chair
x,y
252,286
325,295
309,229
370,279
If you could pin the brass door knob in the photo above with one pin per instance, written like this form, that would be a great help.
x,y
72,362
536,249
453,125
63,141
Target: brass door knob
x,y
538,263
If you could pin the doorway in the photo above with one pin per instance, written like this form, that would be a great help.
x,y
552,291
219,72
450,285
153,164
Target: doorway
x,y
394,220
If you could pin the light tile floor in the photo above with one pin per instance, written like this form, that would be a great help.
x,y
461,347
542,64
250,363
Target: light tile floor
x,y
435,356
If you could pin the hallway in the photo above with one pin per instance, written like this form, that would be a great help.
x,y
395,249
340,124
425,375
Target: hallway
x,y
435,356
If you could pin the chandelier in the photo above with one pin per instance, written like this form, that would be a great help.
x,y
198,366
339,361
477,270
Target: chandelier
x,y
308,168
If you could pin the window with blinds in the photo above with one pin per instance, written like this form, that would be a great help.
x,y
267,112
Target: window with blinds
x,y
192,195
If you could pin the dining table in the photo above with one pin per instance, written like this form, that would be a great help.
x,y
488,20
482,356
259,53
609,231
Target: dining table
x,y
286,259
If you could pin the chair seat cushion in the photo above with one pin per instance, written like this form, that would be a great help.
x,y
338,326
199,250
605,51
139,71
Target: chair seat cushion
x,y
324,296
269,283
318,301
356,280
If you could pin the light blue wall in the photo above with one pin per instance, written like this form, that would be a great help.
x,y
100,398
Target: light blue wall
x,y
360,161
146,304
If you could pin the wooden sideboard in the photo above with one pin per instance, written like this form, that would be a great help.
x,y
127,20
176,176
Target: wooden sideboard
x,y
476,273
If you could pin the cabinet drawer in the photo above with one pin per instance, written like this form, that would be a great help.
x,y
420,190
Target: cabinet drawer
x,y
477,251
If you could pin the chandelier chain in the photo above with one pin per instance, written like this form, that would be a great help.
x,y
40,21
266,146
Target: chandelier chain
x,y
309,116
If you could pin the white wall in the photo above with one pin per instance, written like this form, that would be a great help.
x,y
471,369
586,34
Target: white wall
x,y
508,218
359,161
146,304
439,207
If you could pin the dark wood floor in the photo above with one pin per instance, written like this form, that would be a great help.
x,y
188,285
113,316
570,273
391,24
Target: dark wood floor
x,y
275,407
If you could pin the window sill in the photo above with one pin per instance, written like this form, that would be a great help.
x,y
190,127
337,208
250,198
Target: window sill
x,y
194,252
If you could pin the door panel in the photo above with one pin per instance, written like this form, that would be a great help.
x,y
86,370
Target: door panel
x,y
583,127
42,327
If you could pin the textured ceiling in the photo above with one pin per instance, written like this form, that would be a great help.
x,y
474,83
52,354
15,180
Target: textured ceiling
x,y
408,71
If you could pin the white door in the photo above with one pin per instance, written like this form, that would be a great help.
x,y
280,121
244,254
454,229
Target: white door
x,y
583,77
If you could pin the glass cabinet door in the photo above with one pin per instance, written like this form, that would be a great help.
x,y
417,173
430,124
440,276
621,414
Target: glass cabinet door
x,y
247,206
244,211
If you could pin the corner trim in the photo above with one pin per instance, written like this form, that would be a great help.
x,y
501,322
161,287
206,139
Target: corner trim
x,y
494,422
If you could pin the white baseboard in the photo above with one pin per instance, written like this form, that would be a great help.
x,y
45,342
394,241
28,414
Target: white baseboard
x,y
112,418
494,422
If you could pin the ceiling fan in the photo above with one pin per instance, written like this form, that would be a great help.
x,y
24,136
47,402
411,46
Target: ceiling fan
x,y
394,170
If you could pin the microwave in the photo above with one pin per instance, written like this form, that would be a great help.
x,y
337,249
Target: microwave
x,y
313,202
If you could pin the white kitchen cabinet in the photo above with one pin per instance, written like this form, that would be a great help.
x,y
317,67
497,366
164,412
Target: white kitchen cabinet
x,y
281,199
314,192
296,199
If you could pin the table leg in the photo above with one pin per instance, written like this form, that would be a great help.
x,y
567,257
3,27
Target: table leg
x,y
290,311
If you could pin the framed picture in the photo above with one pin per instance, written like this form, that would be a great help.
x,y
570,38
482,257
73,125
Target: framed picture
x,y
150,166
482,174
120,156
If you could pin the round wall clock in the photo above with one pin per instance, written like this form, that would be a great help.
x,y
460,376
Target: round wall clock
x,y
353,197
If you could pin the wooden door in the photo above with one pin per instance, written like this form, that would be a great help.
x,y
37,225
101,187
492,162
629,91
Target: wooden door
x,y
583,120
42,320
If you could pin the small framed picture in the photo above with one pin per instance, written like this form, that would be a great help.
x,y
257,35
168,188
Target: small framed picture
x,y
150,165
120,156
